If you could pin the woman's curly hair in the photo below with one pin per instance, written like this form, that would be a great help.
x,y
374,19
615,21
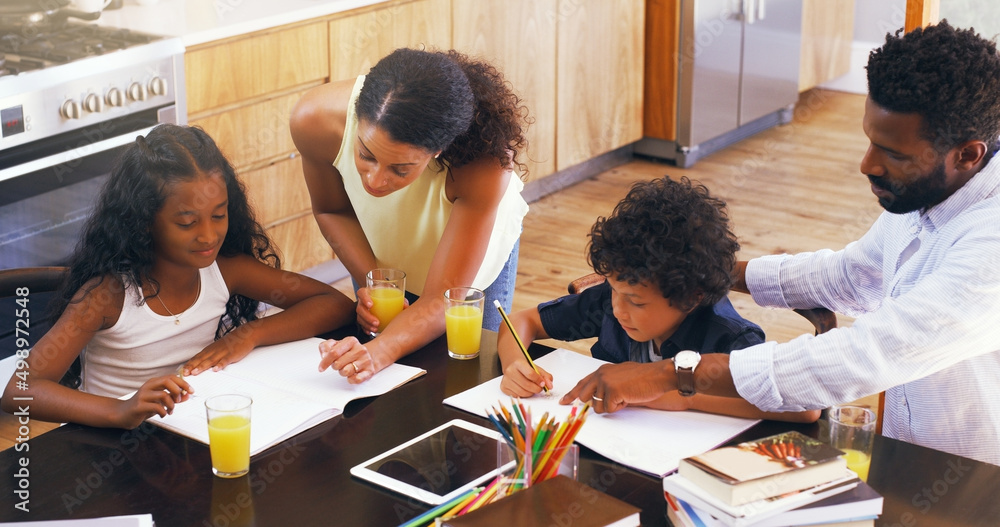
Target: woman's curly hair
x,y
117,239
445,101
673,234
949,76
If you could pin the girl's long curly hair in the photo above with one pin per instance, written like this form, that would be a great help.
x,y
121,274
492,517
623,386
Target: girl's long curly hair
x,y
448,102
117,239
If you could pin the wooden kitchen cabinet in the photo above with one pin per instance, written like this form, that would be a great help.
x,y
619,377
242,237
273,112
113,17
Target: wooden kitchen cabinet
x,y
827,32
599,77
242,68
359,40
241,91
519,38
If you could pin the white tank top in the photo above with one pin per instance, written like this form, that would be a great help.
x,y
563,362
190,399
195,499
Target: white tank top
x,y
142,344
405,227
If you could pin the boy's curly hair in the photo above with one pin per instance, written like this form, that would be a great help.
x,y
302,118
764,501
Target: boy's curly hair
x,y
673,234
949,76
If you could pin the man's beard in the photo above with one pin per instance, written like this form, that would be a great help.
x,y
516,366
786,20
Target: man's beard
x,y
921,193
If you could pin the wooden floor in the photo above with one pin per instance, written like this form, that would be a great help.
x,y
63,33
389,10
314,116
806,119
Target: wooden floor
x,y
793,188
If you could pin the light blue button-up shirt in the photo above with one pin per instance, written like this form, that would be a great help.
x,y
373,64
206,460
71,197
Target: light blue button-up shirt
x,y
925,288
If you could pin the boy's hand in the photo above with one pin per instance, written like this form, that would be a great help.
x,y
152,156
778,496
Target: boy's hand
x,y
519,380
219,354
615,386
156,396
349,357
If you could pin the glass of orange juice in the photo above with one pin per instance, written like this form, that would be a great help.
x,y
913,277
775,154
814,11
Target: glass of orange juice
x,y
463,318
229,433
852,429
387,288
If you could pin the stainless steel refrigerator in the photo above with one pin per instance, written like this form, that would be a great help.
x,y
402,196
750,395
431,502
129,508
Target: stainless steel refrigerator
x,y
738,74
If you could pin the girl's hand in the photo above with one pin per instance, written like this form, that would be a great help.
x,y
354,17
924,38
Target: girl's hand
x,y
219,354
156,396
519,380
348,357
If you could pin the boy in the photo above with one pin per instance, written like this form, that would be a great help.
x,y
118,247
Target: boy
x,y
667,254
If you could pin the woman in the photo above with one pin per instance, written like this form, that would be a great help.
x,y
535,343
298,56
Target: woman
x,y
411,167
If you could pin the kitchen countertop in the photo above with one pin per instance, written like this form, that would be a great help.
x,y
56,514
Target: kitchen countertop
x,y
201,21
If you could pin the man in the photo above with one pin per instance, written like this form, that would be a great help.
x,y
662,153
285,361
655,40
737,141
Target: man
x,y
924,282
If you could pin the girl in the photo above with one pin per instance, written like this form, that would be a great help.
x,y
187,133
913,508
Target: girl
x,y
411,167
167,277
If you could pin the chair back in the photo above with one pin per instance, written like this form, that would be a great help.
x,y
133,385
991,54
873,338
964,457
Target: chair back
x,y
30,282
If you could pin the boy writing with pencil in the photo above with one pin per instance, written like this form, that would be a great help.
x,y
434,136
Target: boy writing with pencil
x,y
667,254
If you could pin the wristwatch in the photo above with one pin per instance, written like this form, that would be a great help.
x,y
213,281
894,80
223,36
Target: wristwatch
x,y
684,364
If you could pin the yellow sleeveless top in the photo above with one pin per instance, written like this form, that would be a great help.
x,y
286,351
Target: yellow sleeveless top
x,y
404,228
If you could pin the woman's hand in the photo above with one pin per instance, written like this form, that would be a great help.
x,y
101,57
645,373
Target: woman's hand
x,y
519,380
367,320
349,357
156,396
221,353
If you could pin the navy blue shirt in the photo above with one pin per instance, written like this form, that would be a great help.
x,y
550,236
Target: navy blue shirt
x,y
708,329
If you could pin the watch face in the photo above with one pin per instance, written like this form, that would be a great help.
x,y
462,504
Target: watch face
x,y
687,359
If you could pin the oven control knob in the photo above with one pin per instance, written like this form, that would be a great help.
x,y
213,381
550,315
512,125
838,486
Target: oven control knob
x,y
70,109
158,86
93,103
137,91
114,97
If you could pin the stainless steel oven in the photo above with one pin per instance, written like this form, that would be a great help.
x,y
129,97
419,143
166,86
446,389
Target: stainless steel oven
x,y
71,96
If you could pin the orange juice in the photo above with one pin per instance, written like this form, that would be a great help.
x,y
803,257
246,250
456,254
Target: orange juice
x,y
464,326
229,442
387,302
858,461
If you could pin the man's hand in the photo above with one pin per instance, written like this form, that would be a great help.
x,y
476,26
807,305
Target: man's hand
x,y
615,386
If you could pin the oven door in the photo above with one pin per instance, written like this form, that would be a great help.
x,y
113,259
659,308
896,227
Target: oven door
x,y
48,188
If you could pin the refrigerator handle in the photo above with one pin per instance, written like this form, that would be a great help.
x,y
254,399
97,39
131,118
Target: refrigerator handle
x,y
748,11
760,9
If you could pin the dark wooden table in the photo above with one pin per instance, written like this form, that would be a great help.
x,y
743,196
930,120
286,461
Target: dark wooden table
x,y
81,472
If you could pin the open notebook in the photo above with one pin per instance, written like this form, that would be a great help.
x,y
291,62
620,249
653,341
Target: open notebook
x,y
650,441
289,395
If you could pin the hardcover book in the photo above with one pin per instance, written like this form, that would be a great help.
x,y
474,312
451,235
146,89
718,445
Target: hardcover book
x,y
764,468
859,506
750,514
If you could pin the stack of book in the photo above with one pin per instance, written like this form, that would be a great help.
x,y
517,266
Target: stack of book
x,y
778,481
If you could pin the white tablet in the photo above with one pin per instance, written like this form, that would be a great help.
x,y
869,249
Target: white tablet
x,y
439,465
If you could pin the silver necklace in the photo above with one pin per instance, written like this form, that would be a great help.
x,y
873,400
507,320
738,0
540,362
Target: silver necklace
x,y
177,318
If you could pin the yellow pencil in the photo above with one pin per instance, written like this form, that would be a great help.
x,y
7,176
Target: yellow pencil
x,y
524,351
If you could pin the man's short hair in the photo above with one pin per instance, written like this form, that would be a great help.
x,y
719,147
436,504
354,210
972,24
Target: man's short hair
x,y
949,76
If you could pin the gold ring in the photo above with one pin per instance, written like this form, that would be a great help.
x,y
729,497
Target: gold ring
x,y
356,370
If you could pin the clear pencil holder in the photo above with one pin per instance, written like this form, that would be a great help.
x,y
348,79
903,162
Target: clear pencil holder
x,y
518,471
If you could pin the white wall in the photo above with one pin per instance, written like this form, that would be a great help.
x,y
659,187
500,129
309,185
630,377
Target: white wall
x,y
874,18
